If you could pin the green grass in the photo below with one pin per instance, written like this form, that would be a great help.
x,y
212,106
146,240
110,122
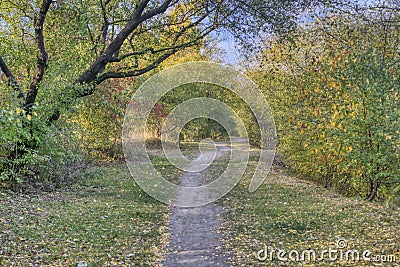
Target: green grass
x,y
105,220
287,213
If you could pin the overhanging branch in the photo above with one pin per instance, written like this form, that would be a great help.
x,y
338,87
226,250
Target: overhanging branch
x,y
138,72
139,17
168,52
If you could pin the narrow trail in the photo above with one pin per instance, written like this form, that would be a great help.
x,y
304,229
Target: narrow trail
x,y
194,241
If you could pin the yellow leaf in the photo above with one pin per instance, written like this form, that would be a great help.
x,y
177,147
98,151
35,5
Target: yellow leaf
x,y
333,84
28,117
335,115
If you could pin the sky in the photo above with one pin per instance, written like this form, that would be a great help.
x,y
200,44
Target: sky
x,y
230,54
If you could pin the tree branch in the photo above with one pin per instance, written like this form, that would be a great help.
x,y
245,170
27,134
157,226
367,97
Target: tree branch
x,y
41,55
174,46
169,51
99,64
105,26
11,79
138,72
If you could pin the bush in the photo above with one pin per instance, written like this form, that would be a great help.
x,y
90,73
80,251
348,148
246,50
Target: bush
x,y
336,104
32,153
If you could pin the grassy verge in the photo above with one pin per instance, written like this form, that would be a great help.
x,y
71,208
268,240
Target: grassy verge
x,y
290,214
107,220
104,220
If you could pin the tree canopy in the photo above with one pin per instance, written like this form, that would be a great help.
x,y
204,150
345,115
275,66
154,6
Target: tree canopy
x,y
84,43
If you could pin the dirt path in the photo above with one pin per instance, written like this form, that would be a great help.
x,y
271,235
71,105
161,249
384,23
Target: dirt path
x,y
194,240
